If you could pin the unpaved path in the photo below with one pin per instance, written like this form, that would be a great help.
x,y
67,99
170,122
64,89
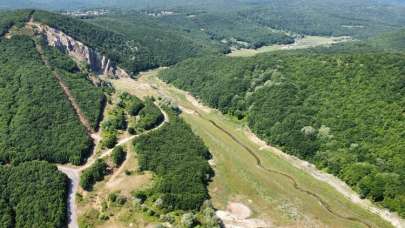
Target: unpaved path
x,y
74,172
67,92
333,181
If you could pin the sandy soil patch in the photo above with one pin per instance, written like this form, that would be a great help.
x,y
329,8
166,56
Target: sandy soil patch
x,y
237,216
197,104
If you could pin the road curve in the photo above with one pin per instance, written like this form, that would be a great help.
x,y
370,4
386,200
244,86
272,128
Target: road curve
x,y
73,173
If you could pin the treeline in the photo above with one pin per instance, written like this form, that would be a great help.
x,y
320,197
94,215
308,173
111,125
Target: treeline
x,y
179,159
342,112
11,18
33,194
90,98
37,121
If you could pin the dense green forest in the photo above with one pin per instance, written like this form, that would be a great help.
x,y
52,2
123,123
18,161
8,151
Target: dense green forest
x,y
32,194
226,29
328,17
343,112
179,159
10,18
90,98
36,119
167,45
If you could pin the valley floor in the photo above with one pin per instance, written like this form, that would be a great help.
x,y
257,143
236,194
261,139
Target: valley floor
x,y
300,43
274,189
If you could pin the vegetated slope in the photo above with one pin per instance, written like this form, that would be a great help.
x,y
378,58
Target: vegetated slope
x,y
167,45
225,28
10,18
32,194
37,121
91,99
179,158
327,17
343,112
131,50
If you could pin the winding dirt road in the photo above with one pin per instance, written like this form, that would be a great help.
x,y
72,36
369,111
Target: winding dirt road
x,y
73,173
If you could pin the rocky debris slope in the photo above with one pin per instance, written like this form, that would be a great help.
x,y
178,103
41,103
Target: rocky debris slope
x,y
98,63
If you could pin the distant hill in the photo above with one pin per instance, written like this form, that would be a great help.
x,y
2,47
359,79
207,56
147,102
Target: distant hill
x,y
393,41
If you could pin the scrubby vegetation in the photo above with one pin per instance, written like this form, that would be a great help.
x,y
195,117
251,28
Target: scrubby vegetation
x,y
90,98
179,159
32,194
36,119
343,112
93,174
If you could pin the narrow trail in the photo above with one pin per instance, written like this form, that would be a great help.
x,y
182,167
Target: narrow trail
x,y
73,173
292,179
85,122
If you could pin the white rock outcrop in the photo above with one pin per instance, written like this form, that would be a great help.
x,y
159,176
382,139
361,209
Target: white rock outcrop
x,y
99,64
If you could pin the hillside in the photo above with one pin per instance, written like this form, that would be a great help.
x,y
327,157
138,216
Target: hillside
x,y
131,49
37,121
90,136
325,108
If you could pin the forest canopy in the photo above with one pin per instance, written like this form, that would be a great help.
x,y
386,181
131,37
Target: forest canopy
x,y
37,121
179,159
343,112
33,194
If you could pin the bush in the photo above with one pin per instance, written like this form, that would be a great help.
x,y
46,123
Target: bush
x,y
93,174
109,139
118,155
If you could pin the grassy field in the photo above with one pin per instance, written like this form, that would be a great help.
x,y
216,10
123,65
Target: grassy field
x,y
306,42
238,178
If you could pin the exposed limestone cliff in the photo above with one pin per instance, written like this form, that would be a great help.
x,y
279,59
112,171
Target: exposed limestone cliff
x,y
98,63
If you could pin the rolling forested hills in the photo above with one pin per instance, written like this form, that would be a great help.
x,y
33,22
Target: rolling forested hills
x,y
339,107
134,50
343,112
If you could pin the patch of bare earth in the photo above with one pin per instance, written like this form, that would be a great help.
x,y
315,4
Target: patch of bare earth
x,y
333,181
237,215
197,104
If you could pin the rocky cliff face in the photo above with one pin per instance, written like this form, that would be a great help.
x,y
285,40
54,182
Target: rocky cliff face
x,y
98,63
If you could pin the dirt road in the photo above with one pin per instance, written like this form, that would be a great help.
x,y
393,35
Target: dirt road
x,y
73,173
